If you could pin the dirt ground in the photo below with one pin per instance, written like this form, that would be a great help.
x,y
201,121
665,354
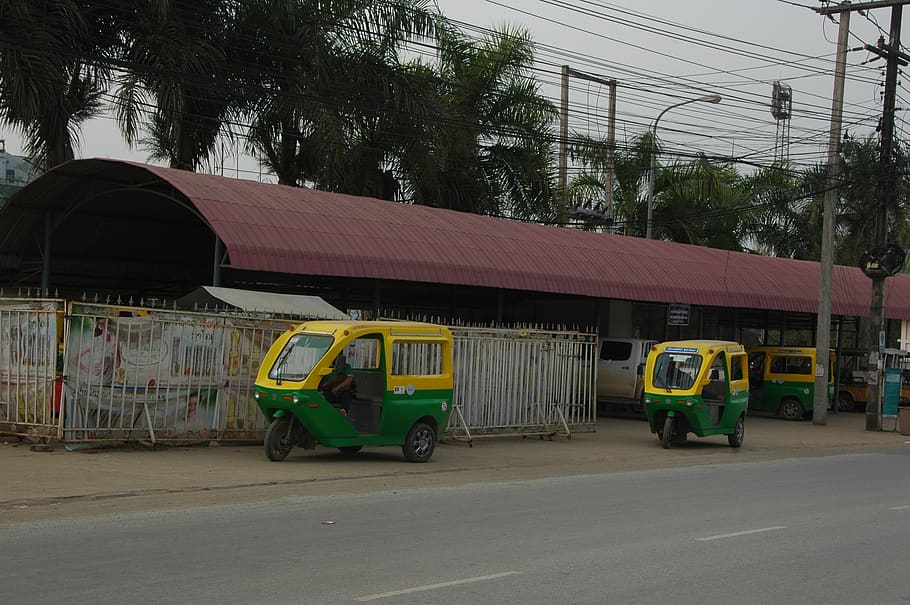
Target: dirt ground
x,y
40,485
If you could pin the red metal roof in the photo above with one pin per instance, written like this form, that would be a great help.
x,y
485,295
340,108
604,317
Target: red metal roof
x,y
303,231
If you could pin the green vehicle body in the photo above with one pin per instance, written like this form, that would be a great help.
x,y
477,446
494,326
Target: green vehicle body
x,y
782,380
403,383
709,396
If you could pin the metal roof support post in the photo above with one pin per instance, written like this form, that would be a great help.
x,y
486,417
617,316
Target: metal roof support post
x,y
46,253
219,255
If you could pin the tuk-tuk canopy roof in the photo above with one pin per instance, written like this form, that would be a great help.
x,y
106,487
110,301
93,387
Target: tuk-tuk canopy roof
x,y
273,228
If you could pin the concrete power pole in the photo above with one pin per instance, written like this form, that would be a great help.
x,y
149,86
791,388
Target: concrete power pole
x,y
823,327
563,202
886,196
887,192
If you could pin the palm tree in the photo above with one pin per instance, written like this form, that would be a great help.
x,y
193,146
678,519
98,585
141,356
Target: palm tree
x,y
53,72
784,212
178,73
631,164
699,203
490,148
859,198
331,88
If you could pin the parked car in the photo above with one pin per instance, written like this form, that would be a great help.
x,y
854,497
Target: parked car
x,y
619,373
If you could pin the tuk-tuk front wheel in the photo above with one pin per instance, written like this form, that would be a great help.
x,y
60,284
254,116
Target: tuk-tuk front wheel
x,y
666,437
735,439
278,442
420,443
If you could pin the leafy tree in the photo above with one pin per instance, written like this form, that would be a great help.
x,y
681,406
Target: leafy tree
x,y
176,70
54,69
332,88
489,151
785,208
699,203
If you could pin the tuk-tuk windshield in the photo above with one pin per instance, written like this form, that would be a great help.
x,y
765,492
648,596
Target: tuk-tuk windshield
x,y
676,370
299,356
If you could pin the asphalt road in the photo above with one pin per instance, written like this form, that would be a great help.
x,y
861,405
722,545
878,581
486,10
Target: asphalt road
x,y
809,530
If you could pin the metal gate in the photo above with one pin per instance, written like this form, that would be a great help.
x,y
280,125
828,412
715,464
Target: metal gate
x,y
30,383
158,375
523,381
106,372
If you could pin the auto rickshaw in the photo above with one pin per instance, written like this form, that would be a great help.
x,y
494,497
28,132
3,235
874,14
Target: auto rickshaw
x,y
697,386
401,392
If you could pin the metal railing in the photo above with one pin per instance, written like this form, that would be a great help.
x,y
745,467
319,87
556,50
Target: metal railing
x,y
522,381
148,374
30,383
90,372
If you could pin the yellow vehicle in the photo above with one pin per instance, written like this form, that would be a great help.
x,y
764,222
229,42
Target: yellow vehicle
x,y
782,380
697,386
397,379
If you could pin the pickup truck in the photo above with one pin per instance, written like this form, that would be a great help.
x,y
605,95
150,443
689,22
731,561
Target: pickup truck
x,y
619,374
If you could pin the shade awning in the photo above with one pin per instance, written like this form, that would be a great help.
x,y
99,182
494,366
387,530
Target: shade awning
x,y
296,305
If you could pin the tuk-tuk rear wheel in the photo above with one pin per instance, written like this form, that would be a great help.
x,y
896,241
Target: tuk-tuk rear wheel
x,y
791,409
845,402
278,440
420,443
666,438
735,439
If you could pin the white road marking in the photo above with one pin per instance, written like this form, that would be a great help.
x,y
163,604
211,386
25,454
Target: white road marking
x,y
741,533
899,507
396,593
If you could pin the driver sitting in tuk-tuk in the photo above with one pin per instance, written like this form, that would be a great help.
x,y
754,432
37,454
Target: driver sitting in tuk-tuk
x,y
338,387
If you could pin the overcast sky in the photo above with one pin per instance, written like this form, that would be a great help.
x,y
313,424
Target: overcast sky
x,y
661,52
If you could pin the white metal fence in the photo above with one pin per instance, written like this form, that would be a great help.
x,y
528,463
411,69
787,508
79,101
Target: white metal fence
x,y
150,374
523,381
30,383
90,372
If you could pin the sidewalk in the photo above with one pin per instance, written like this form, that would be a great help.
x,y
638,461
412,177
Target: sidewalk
x,y
106,479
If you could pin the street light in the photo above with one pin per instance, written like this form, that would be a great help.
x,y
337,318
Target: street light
x,y
705,99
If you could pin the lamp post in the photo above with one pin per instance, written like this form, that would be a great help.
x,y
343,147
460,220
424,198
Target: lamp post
x,y
705,99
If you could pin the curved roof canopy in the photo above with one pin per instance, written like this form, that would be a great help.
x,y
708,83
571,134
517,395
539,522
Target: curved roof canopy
x,y
273,228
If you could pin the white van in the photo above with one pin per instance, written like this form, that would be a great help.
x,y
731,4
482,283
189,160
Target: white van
x,y
619,373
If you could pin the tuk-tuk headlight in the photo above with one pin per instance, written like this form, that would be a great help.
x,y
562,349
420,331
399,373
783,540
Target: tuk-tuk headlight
x,y
294,398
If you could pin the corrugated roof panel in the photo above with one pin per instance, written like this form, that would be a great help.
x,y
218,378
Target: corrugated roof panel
x,y
291,230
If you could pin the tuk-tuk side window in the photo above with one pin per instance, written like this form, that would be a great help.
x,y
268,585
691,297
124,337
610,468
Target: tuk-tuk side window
x,y
416,358
718,369
615,350
736,368
792,365
364,353
301,353
676,370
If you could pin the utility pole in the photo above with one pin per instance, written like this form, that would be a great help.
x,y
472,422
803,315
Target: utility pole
x,y
823,326
874,264
610,168
563,151
886,197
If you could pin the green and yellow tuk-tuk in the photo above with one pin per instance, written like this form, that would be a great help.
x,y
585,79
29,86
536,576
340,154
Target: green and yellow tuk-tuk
x,y
349,384
782,380
697,386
